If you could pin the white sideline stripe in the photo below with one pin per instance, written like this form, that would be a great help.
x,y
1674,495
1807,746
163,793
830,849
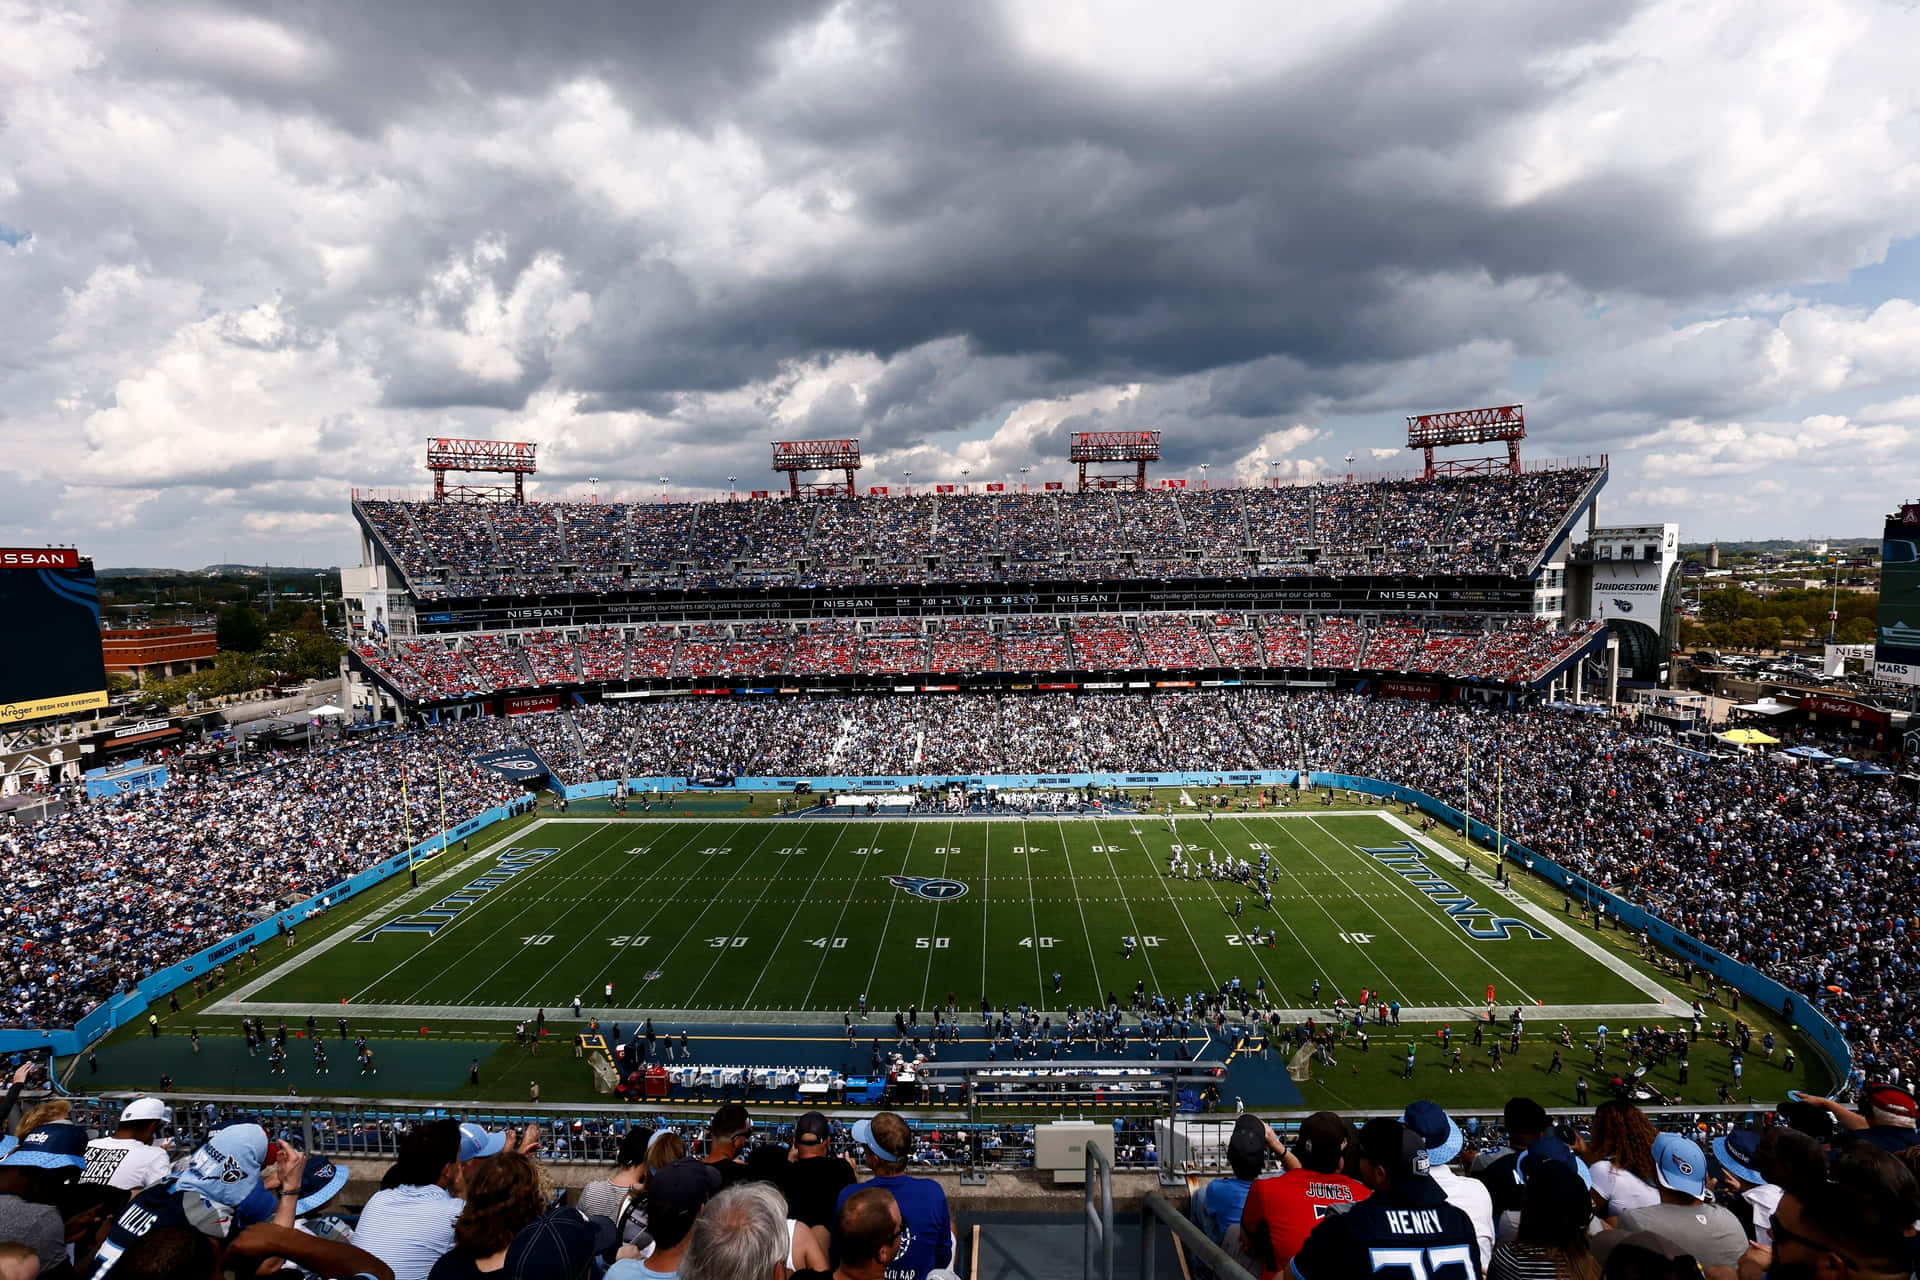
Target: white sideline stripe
x,y
1563,928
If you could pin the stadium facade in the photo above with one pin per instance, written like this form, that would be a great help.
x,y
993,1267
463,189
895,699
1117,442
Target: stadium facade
x,y
1422,586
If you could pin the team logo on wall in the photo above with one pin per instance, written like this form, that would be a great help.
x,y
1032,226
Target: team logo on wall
x,y
932,888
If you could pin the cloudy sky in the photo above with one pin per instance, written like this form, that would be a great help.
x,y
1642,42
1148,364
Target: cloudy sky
x,y
254,255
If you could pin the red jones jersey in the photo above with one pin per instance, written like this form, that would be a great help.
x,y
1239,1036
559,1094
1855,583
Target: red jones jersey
x,y
1286,1208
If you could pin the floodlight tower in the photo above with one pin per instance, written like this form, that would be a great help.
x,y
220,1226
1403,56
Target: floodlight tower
x,y
504,457
1430,431
795,456
1097,447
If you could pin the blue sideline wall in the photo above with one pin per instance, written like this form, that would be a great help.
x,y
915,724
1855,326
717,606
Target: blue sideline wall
x,y
127,1006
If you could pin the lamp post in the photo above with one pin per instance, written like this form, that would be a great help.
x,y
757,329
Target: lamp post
x,y
1273,471
909,476
730,480
1023,478
1203,474
593,489
964,473
1349,466
663,489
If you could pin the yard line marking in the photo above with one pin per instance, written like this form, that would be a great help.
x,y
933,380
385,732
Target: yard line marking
x,y
986,879
529,996
1213,982
1068,859
1085,927
1400,883
880,943
715,895
1462,992
853,886
946,860
1033,909
747,1000
466,916
1373,964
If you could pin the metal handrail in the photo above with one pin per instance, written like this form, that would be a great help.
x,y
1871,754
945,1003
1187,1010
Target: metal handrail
x,y
1099,1218
1210,1255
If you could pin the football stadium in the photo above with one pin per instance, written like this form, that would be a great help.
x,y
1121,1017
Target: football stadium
x,y
1127,798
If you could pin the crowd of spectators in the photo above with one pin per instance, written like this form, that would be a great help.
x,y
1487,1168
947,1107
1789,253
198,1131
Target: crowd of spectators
x,y
1454,525
456,667
110,891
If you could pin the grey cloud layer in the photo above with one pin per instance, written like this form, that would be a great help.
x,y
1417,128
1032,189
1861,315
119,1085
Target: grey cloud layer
x,y
653,237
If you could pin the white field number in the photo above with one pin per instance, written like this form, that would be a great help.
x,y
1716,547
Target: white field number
x,y
1360,938
1245,939
1038,942
823,943
536,940
1028,848
630,940
726,942
1112,848
865,851
947,851
788,852
937,944
715,851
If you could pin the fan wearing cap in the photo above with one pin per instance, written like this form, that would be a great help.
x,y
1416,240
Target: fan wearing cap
x,y
1527,1123
1711,1234
32,1177
1886,1117
1444,1141
1742,1186
1404,1230
1281,1212
219,1194
129,1160
1217,1209
887,1143
676,1195
812,1179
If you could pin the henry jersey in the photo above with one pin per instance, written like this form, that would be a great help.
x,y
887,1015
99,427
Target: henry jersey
x,y
1407,1232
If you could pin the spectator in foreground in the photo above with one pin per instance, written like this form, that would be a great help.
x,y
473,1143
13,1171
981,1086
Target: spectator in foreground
x,y
409,1223
1526,1125
33,1179
1683,1218
1396,1229
1280,1212
742,1235
129,1160
727,1136
1552,1240
867,1232
1219,1206
1619,1156
507,1193
887,1144
1444,1141
813,1178
621,1196
676,1196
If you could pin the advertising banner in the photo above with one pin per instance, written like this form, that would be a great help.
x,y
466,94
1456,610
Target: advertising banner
x,y
526,704
102,785
50,655
522,764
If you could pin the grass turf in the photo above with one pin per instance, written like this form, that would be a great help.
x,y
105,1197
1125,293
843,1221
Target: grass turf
x,y
803,916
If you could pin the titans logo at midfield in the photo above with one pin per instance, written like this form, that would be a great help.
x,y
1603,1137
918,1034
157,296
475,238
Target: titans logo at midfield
x,y
932,888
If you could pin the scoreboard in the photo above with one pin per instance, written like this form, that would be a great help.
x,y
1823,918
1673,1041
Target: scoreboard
x,y
50,657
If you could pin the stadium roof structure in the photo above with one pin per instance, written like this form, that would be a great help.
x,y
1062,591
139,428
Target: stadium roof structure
x,y
1100,447
1430,431
498,457
796,456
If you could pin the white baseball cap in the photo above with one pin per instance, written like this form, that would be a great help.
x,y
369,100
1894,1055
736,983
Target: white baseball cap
x,y
142,1109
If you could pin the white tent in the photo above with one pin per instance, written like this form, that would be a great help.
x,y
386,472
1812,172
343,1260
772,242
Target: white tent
x,y
325,709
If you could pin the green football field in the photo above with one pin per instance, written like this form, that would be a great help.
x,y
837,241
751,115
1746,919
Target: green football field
x,y
806,915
